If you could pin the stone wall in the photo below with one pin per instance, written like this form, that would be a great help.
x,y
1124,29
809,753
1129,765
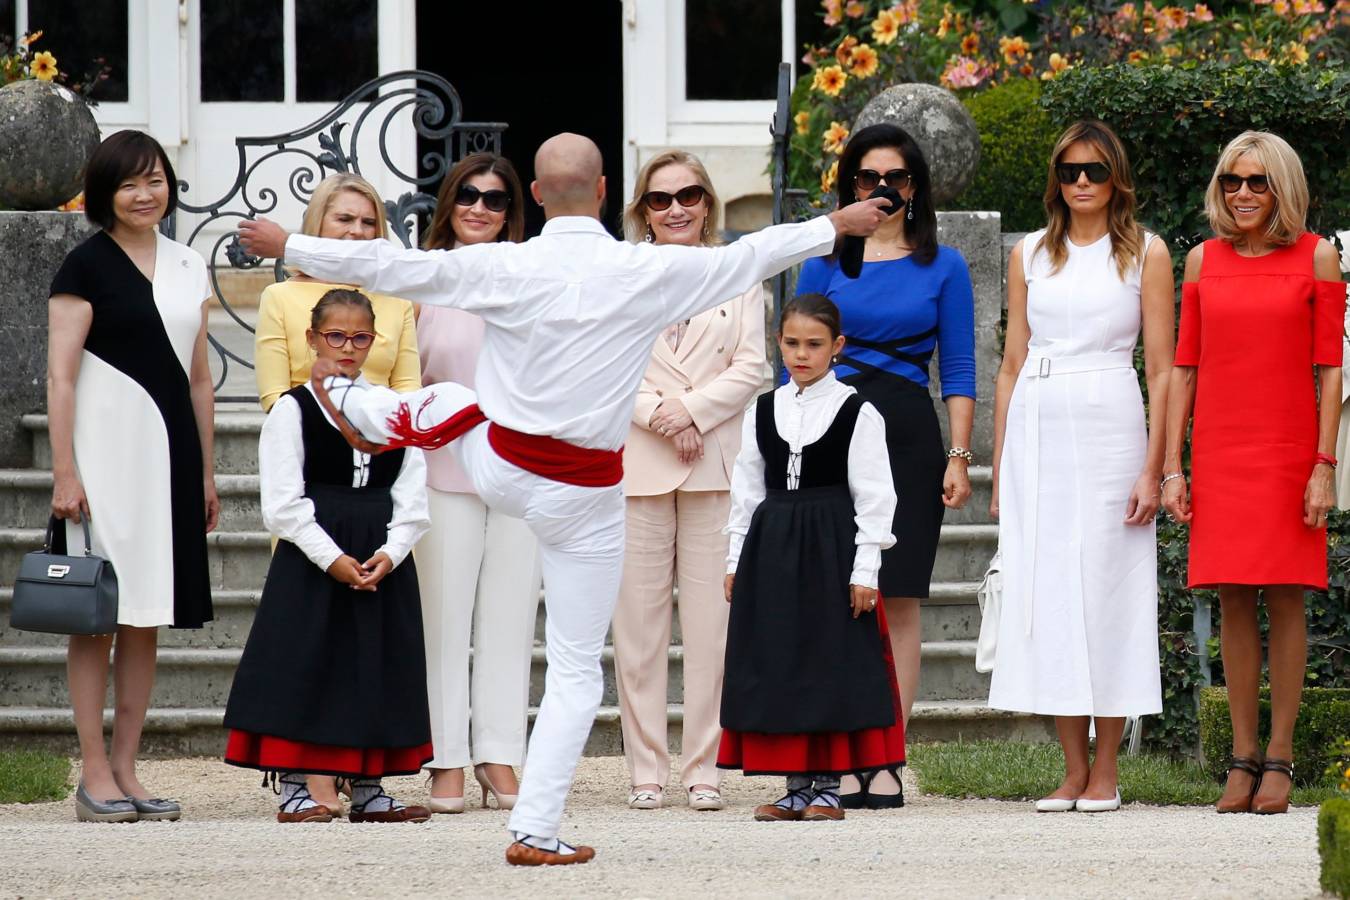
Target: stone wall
x,y
32,246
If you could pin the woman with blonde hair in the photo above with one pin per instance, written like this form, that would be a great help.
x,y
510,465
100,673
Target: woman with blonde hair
x,y
1077,466
681,448
479,568
346,207
1258,364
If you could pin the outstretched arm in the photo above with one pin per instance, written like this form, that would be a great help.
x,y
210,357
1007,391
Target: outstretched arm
x,y
462,278
705,277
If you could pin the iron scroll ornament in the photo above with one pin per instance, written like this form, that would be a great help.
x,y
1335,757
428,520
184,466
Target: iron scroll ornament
x,y
328,146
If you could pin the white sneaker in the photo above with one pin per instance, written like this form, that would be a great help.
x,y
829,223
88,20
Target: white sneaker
x,y
1085,805
1055,804
644,799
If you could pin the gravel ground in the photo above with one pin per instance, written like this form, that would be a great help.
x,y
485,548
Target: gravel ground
x,y
227,845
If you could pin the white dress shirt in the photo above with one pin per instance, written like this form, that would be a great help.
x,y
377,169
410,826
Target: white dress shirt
x,y
572,315
802,417
289,514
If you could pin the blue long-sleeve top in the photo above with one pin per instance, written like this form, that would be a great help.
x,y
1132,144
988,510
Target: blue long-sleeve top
x,y
897,312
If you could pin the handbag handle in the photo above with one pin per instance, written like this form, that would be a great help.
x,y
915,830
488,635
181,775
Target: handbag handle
x,y
51,529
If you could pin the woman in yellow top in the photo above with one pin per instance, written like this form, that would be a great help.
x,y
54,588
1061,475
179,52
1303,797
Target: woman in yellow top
x,y
345,207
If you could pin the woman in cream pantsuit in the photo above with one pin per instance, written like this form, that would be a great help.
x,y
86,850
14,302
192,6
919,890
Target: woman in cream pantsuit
x,y
677,479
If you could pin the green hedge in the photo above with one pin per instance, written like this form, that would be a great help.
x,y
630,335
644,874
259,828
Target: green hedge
x,y
1016,138
1333,846
1322,721
1175,120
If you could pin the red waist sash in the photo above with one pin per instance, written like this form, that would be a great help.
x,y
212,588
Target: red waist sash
x,y
547,457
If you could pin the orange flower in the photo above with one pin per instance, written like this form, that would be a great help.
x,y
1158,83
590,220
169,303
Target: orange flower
x,y
906,12
1057,64
854,9
1281,7
1013,49
1027,70
845,49
1137,56
970,44
830,80
833,11
1295,53
828,177
1077,31
1172,17
833,140
863,63
43,66
802,120
30,39
886,27
1201,13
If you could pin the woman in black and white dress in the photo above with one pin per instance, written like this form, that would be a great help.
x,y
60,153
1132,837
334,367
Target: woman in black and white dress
x,y
131,406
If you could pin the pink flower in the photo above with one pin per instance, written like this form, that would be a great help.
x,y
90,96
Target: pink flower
x,y
964,72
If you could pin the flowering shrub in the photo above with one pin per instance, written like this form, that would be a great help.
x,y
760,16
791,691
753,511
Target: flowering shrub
x,y
18,61
970,46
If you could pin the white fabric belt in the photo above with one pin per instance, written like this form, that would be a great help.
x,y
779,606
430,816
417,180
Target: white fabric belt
x,y
1035,370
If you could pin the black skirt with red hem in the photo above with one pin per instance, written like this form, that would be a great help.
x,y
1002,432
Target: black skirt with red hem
x,y
822,753
274,754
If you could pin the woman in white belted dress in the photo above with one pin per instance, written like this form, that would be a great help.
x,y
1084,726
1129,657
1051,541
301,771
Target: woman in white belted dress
x,y
1076,472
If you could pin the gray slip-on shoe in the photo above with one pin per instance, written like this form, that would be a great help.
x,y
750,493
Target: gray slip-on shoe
x,y
87,809
157,810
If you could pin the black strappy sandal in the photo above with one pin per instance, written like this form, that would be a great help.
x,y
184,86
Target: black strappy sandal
x,y
1253,768
884,801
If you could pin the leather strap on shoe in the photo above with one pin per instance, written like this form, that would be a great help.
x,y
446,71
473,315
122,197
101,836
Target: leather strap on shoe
x,y
1283,766
1252,767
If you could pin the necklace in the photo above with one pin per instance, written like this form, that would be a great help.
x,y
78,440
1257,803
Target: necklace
x,y
883,251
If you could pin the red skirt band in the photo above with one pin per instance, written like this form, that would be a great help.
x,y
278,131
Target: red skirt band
x,y
824,753
274,754
547,457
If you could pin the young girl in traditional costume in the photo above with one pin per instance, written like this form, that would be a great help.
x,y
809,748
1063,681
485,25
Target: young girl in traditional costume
x,y
810,689
333,678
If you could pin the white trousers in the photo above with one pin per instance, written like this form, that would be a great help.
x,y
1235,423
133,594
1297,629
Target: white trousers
x,y
581,542
478,570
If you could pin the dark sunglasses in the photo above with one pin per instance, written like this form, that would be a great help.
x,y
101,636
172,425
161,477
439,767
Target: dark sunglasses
x,y
338,339
868,179
1069,173
495,200
686,197
1231,184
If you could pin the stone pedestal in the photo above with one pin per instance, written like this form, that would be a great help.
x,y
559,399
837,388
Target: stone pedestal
x,y
32,247
976,236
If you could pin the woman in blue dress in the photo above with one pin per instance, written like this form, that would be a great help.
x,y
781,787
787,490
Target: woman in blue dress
x,y
912,298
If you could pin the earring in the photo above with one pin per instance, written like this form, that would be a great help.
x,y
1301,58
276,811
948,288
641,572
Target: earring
x,y
909,210
650,237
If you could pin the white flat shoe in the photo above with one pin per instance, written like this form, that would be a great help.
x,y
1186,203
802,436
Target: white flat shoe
x,y
1085,805
1056,804
706,800
645,799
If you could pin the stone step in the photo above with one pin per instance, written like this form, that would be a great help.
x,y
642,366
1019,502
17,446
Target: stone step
x,y
964,552
234,617
26,497
236,560
189,677
199,732
236,440
949,613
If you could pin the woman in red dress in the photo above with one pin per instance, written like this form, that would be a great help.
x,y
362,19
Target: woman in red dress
x,y
1261,310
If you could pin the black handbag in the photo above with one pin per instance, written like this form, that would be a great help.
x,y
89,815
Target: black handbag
x,y
62,594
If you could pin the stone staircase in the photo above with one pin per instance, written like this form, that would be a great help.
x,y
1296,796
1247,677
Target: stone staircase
x,y
196,666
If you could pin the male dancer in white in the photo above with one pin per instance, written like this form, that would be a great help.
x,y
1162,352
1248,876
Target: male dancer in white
x,y
571,318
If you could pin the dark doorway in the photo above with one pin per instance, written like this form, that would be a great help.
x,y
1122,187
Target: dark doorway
x,y
561,70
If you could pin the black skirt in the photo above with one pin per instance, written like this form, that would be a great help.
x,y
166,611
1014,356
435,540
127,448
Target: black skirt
x,y
325,664
918,465
797,660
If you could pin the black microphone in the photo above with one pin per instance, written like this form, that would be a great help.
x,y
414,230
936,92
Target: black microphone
x,y
851,256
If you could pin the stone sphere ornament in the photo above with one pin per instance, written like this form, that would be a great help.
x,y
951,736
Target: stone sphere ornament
x,y
47,135
942,127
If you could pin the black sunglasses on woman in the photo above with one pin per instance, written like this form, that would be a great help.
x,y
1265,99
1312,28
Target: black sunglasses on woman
x,y
495,200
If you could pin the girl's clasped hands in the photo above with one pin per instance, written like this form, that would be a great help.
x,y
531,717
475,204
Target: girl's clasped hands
x,y
361,576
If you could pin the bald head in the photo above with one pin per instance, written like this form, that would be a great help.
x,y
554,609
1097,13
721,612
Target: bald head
x,y
569,176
